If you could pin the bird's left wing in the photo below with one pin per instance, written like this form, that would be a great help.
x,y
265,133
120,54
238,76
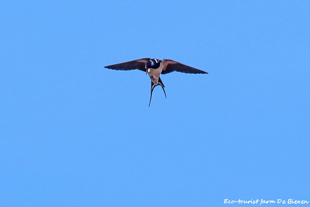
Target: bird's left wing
x,y
172,65
130,65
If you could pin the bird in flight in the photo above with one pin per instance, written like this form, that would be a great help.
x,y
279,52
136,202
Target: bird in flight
x,y
154,68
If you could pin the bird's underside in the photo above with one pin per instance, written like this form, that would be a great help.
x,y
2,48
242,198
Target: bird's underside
x,y
154,68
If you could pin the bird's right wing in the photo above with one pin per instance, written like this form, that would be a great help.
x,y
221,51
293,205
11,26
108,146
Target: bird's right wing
x,y
130,65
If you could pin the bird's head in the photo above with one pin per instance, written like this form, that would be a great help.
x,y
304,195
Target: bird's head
x,y
153,63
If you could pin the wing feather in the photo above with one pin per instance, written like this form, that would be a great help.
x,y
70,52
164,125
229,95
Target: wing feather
x,y
172,65
130,65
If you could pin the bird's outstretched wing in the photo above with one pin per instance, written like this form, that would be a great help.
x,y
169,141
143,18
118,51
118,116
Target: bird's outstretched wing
x,y
179,67
130,65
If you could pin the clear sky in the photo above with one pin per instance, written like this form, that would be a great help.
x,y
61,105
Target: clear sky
x,y
73,133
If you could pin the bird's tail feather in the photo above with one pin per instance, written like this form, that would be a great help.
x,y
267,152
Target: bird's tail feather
x,y
153,86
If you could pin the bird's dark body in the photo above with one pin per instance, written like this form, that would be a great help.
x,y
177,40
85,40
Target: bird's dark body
x,y
154,68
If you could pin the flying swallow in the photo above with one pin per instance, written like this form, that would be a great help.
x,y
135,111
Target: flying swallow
x,y
154,68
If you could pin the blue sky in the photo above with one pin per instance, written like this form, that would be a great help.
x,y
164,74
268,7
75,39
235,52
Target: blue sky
x,y
76,134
